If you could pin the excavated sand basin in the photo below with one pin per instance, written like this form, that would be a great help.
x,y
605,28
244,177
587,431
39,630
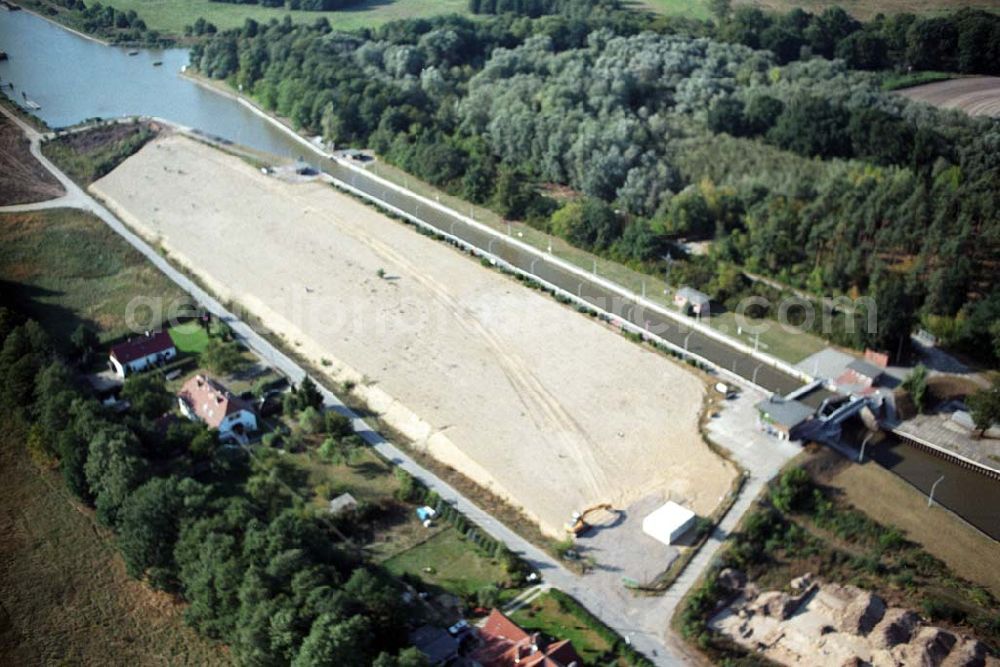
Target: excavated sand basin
x,y
545,407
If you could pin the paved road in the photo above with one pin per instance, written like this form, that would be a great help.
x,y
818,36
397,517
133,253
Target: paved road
x,y
725,354
74,197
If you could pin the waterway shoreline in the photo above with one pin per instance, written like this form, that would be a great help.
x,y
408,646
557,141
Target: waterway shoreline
x,y
62,25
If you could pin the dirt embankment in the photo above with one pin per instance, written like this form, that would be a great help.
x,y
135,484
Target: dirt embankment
x,y
23,180
548,409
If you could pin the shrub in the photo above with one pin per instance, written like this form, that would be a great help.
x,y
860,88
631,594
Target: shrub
x,y
310,420
488,596
337,425
937,609
793,491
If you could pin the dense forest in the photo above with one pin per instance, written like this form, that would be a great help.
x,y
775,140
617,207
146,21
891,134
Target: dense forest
x,y
794,162
304,5
260,572
114,25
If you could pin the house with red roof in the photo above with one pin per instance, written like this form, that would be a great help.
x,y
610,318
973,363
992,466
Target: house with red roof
x,y
138,354
506,644
205,400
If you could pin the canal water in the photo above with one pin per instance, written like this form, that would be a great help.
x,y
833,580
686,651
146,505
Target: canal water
x,y
73,79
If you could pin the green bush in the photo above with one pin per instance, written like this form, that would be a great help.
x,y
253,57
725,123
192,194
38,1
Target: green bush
x,y
793,492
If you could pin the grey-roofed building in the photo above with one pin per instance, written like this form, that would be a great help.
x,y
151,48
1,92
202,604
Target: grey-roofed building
x,y
783,417
699,302
435,643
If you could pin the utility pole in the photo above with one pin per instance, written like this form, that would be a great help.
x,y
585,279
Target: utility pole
x,y
864,443
930,498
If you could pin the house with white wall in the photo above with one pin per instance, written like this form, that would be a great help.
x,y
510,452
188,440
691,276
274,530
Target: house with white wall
x,y
138,354
205,400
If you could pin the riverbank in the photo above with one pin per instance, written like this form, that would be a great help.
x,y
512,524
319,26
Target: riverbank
x,y
61,24
283,124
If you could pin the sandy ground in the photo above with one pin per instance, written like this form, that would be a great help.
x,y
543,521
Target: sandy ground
x,y
547,408
976,96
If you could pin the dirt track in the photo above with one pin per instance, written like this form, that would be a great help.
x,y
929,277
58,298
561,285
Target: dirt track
x,y
548,409
976,96
22,179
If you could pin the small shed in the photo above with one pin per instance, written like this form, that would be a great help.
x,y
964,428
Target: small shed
x,y
668,523
783,416
699,302
345,502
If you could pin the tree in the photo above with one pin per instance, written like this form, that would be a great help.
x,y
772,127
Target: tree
x,y
222,357
147,395
720,9
828,29
762,113
84,341
337,425
984,406
916,385
377,594
54,390
113,470
726,115
210,565
149,526
24,352
308,395
812,126
334,642
588,223
793,490
488,596
514,193
865,50
408,657
310,420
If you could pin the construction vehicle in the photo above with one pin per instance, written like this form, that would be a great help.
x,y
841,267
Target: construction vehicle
x,y
578,523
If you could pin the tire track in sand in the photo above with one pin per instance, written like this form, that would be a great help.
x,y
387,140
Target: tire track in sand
x,y
545,408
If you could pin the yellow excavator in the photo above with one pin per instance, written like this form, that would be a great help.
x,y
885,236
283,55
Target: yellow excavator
x,y
579,524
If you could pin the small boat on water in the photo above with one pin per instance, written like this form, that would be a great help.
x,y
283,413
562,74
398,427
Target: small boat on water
x,y
157,63
3,55
133,53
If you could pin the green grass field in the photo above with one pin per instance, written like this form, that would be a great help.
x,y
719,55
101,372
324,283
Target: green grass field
x,y
189,337
67,267
697,9
901,81
170,16
545,615
788,346
455,564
